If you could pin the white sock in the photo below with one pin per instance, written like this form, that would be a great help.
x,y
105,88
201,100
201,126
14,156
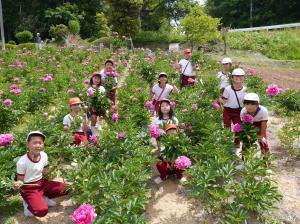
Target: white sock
x,y
26,211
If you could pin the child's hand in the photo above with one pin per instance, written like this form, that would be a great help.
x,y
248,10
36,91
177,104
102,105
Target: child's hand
x,y
174,81
18,184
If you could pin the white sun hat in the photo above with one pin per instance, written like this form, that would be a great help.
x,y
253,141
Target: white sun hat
x,y
238,72
251,97
226,61
36,133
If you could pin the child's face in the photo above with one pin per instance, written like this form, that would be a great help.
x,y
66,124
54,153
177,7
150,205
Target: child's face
x,y
226,67
109,66
165,108
238,79
36,144
171,131
163,79
76,107
251,108
96,80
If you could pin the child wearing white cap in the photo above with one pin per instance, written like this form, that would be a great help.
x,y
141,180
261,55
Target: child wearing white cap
x,y
260,118
233,97
31,170
224,75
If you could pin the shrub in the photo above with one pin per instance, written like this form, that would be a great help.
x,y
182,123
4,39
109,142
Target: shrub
x,y
74,27
11,42
59,31
24,36
29,46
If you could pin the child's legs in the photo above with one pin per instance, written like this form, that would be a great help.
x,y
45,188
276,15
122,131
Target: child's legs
x,y
264,145
236,118
34,197
113,96
53,189
94,119
226,117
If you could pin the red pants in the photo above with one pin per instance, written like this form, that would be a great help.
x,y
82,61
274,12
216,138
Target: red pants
x,y
112,96
165,169
185,82
80,137
232,115
34,195
263,146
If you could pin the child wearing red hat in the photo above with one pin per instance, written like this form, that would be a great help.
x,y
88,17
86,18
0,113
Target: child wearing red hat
x,y
70,120
31,170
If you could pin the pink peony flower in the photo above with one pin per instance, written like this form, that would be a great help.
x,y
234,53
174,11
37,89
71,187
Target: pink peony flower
x,y
182,163
15,91
250,71
80,95
86,82
6,139
73,81
42,89
122,135
115,107
94,86
85,214
7,102
155,131
173,104
70,91
14,86
216,105
90,92
247,118
148,104
184,110
273,90
194,107
16,79
115,117
94,139
47,78
236,128
115,33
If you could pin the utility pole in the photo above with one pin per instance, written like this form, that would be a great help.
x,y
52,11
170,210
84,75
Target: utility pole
x,y
1,27
251,10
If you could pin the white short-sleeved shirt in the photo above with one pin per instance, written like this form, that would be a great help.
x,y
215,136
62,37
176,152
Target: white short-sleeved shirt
x,y
68,120
189,71
156,89
260,115
32,171
223,80
103,75
161,122
101,89
231,98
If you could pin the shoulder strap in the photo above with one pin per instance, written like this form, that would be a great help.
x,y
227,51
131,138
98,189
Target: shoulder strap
x,y
185,67
237,99
161,93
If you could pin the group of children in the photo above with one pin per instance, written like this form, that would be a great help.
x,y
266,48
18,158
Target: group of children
x,y
32,167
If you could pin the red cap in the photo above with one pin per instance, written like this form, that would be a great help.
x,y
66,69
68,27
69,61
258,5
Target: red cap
x,y
187,50
75,100
170,126
164,100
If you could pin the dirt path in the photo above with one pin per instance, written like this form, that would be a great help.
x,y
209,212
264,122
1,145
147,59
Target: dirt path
x,y
285,73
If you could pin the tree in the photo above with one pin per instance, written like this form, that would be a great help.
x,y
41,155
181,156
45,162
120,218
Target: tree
x,y
200,27
125,16
101,25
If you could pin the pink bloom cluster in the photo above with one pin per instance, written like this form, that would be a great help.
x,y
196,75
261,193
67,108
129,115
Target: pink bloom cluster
x,y
86,82
155,131
194,107
94,139
173,104
70,91
250,71
115,33
42,89
15,89
115,117
7,102
216,105
85,214
182,162
247,118
113,73
6,139
90,92
121,135
47,78
236,128
148,104
273,90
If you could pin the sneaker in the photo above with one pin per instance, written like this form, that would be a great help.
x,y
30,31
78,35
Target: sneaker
x,y
27,213
49,202
158,180
183,180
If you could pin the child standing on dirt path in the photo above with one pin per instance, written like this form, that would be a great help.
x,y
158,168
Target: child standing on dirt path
x,y
162,89
233,97
79,135
224,75
260,118
110,71
96,84
32,168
